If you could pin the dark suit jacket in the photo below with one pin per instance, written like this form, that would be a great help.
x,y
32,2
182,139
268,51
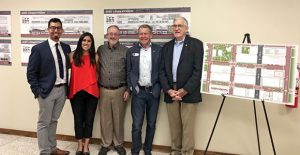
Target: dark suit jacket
x,y
41,71
188,71
133,64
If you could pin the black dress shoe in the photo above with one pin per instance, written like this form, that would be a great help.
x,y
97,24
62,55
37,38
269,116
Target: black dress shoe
x,y
103,150
79,153
147,153
120,149
86,153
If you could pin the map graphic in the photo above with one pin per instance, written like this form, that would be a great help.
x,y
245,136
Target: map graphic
x,y
251,71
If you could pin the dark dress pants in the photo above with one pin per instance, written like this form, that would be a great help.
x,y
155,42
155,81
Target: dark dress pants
x,y
84,106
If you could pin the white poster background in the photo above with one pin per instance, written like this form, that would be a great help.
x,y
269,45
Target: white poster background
x,y
75,22
161,19
5,24
26,46
5,52
255,72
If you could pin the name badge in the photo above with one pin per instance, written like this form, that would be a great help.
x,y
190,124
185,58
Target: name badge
x,y
135,54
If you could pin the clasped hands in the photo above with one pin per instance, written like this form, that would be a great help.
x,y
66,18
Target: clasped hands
x,y
177,95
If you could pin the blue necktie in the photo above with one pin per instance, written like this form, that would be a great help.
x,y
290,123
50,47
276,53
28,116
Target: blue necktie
x,y
60,62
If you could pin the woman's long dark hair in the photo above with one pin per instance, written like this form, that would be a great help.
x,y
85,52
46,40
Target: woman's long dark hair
x,y
79,51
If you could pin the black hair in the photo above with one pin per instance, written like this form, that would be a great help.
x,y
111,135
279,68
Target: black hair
x,y
79,51
54,20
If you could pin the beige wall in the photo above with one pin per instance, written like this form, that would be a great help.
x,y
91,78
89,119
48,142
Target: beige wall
x,y
268,21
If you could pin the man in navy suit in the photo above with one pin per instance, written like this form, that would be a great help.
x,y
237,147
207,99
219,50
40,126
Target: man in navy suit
x,y
48,77
180,77
143,62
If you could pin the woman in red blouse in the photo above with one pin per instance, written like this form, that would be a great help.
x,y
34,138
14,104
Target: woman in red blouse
x,y
83,90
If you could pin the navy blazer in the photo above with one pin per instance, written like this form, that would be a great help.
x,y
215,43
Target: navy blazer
x,y
133,66
41,71
189,69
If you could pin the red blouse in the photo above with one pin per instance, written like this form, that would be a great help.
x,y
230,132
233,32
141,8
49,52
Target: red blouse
x,y
83,77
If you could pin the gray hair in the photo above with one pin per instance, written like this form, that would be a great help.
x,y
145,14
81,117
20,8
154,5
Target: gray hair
x,y
111,26
146,26
182,18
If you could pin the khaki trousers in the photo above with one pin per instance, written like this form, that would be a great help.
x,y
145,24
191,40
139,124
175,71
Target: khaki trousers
x,y
112,112
182,123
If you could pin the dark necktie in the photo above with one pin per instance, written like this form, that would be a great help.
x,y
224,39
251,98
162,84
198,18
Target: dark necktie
x,y
60,62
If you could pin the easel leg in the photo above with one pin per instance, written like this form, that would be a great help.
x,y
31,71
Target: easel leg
x,y
215,123
267,120
257,134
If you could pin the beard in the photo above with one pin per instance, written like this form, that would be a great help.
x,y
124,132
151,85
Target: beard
x,y
112,43
56,37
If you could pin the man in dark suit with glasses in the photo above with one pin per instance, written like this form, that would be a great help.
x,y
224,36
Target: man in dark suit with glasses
x,y
48,77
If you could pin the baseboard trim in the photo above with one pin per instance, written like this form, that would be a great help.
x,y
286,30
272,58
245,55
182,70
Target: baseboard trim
x,y
159,148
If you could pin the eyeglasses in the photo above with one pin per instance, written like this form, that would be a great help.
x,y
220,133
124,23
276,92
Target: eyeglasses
x,y
178,26
113,34
53,28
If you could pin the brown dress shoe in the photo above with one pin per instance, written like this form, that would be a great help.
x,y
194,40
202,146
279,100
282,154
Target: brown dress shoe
x,y
58,151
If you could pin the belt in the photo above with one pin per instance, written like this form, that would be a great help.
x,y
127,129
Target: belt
x,y
146,88
112,87
59,85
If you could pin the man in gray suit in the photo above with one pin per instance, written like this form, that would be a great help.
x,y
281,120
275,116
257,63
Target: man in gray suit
x,y
143,61
48,77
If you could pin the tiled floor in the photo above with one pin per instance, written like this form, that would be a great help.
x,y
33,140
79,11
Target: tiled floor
x,y
19,145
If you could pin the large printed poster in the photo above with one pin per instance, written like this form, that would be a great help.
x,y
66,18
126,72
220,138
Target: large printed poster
x,y
256,72
161,19
5,44
5,52
26,46
132,43
5,24
75,22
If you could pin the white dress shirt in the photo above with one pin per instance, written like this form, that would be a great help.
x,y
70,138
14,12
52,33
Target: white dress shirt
x,y
145,66
53,50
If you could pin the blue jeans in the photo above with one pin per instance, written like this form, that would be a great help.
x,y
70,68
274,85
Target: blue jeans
x,y
141,103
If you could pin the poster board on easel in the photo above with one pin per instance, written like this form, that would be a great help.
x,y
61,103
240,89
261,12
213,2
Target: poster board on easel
x,y
251,71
